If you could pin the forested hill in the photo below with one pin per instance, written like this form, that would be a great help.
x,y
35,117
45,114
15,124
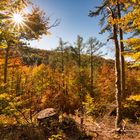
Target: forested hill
x,y
33,56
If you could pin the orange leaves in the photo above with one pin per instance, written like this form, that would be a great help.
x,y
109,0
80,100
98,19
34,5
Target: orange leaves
x,y
105,82
15,62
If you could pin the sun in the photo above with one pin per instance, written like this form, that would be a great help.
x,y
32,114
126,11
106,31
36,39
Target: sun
x,y
17,18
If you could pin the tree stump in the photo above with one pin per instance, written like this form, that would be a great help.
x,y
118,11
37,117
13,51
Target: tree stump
x,y
47,117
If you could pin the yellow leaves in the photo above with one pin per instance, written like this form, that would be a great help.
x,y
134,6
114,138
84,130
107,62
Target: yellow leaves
x,y
129,21
88,104
134,98
134,45
4,96
137,55
135,1
132,42
38,69
3,45
113,21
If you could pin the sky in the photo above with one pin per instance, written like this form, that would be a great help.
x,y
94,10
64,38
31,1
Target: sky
x,y
74,21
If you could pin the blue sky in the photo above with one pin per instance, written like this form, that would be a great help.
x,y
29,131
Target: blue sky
x,y
74,21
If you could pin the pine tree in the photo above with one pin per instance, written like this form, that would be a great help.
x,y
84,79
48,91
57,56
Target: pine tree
x,y
109,12
93,48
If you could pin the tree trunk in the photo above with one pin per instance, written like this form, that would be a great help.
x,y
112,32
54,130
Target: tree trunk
x,y
82,117
79,45
91,72
80,90
6,63
118,80
122,57
62,66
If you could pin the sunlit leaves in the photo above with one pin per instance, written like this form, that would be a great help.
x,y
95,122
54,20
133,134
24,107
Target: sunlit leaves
x,y
134,98
129,23
89,105
134,49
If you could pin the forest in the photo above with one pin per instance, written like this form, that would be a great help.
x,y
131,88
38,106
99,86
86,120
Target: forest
x,y
72,92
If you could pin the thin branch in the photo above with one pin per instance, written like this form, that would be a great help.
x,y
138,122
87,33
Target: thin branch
x,y
56,23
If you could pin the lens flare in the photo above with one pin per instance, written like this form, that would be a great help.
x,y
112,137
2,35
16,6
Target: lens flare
x,y
17,18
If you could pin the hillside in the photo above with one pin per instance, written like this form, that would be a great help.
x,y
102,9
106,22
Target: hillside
x,y
33,56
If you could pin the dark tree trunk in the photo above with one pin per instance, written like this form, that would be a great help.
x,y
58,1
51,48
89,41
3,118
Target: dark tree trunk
x,y
79,45
62,66
122,57
118,77
80,90
91,72
6,63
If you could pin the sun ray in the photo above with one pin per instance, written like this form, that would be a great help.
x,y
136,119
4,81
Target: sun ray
x,y
19,21
18,18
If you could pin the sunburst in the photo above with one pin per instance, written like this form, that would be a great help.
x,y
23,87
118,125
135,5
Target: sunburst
x,y
18,20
